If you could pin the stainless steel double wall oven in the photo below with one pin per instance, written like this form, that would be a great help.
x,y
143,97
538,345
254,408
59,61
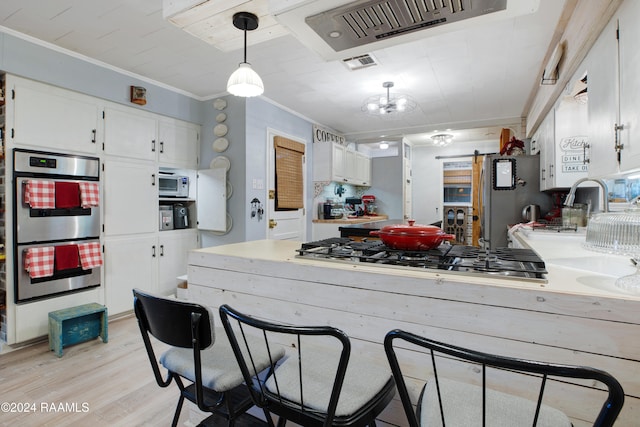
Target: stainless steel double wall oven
x,y
51,226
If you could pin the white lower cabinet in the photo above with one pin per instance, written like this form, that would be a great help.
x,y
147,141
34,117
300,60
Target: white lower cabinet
x,y
129,262
149,262
173,250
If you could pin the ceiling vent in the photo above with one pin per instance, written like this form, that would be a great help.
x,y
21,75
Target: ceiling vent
x,y
337,30
359,62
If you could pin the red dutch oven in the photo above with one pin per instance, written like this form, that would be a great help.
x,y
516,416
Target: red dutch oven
x,y
412,237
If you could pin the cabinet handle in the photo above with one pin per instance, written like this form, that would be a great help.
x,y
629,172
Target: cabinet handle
x,y
618,146
550,171
585,159
153,179
153,251
93,136
543,171
161,250
153,145
161,147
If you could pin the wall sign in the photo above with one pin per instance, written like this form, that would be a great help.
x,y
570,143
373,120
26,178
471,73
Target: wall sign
x,y
138,95
573,150
325,135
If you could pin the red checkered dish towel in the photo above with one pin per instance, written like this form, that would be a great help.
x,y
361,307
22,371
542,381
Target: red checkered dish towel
x,y
89,194
39,261
40,194
90,255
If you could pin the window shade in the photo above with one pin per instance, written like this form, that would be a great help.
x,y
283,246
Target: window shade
x,y
289,179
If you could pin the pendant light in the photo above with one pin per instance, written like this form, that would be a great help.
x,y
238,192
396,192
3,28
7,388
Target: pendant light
x,y
244,81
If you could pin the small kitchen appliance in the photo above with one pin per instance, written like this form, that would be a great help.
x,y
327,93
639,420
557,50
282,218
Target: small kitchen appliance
x,y
370,207
531,213
170,185
353,206
180,216
166,217
333,210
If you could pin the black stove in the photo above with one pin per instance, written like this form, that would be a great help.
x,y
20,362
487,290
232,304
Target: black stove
x,y
500,262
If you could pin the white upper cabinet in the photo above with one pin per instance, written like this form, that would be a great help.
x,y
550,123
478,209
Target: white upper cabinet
x,y
49,117
178,143
570,156
363,169
629,15
613,95
335,162
544,138
130,133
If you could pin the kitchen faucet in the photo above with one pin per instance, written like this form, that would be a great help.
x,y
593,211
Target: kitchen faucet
x,y
605,193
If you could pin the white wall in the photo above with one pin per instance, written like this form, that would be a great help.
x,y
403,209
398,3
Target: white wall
x,y
427,175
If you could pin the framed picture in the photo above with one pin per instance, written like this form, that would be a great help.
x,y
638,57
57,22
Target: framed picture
x,y
138,95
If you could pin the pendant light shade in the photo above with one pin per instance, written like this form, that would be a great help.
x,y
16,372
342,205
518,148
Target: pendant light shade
x,y
245,81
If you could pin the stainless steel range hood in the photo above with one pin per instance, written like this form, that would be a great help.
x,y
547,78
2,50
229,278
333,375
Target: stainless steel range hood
x,y
337,29
365,22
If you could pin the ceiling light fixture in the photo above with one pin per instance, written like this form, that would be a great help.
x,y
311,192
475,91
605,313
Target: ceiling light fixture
x,y
442,139
384,145
245,81
389,104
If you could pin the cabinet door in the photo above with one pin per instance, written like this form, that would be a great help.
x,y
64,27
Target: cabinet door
x,y
129,263
54,118
130,133
603,105
546,144
363,169
130,198
338,162
628,16
173,250
178,144
212,199
571,127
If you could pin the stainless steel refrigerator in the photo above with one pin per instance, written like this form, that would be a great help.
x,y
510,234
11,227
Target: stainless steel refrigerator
x,y
507,185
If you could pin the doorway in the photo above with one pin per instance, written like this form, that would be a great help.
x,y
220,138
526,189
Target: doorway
x,y
285,223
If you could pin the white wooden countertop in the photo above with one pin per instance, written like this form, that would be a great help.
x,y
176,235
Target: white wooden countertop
x,y
570,266
356,220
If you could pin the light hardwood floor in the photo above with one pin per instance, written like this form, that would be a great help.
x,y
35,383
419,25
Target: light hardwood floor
x,y
96,384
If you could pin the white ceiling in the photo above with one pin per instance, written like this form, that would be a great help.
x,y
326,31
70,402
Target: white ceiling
x,y
480,77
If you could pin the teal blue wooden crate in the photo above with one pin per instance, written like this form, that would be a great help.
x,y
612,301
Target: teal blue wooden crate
x,y
77,324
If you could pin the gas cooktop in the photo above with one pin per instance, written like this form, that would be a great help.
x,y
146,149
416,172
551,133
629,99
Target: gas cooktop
x,y
510,263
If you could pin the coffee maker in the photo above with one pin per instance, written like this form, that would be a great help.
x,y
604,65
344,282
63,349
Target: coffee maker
x,y
180,216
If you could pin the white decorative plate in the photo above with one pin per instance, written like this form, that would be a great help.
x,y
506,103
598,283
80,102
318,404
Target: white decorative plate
x,y
220,104
221,117
220,145
229,190
220,162
220,130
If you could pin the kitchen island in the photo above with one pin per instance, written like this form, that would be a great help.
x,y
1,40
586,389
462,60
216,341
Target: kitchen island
x,y
562,320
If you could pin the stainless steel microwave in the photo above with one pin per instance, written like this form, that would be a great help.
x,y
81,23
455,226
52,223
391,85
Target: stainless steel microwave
x,y
173,186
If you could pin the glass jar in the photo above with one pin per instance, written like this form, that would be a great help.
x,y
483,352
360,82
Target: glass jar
x,y
574,216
